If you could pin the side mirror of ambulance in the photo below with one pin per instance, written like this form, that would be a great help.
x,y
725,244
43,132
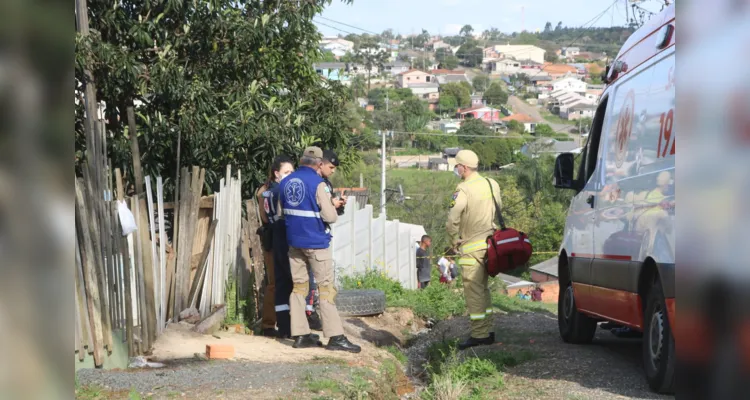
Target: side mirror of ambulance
x,y
564,170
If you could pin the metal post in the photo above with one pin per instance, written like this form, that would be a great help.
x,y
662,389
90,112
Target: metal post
x,y
382,173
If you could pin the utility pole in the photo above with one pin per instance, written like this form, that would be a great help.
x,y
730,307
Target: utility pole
x,y
382,173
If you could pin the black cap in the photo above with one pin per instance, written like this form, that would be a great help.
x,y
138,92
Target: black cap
x,y
330,156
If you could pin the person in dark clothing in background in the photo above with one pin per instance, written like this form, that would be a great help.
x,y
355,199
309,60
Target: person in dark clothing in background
x,y
423,262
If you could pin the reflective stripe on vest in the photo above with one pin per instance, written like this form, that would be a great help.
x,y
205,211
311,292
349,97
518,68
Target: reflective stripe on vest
x,y
301,213
473,246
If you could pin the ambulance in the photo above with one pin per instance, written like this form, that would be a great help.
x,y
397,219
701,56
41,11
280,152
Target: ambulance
x,y
617,259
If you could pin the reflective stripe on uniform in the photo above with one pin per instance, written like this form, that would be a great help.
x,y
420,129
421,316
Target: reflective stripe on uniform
x,y
473,246
468,261
513,239
489,311
476,317
302,213
283,307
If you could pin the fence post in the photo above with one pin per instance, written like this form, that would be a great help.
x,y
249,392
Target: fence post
x,y
352,214
398,240
369,230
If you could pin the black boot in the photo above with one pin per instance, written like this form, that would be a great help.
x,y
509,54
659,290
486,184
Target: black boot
x,y
270,332
314,321
475,342
341,343
305,341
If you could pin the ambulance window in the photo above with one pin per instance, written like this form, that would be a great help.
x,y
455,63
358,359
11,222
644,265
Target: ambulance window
x,y
591,152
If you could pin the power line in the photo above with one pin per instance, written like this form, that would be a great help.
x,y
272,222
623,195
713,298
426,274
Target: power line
x,y
350,26
333,27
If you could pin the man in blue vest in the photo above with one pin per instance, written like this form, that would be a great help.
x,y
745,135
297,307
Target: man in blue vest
x,y
307,207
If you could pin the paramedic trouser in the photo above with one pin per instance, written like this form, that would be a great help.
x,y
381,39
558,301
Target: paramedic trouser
x,y
283,277
311,299
321,263
476,291
269,310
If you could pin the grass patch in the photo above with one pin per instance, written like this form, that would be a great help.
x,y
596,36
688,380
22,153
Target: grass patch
x,y
322,385
555,119
400,356
436,301
89,392
514,304
324,360
468,377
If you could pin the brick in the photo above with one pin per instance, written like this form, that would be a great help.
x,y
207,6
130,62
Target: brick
x,y
219,351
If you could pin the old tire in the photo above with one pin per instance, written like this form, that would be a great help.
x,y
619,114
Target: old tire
x,y
358,303
574,326
658,342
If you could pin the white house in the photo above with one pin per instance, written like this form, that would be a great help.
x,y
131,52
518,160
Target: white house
x,y
518,52
570,51
397,67
579,111
449,127
426,91
506,66
569,83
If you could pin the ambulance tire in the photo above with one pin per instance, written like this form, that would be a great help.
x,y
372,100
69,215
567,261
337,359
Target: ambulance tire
x,y
658,342
360,303
575,327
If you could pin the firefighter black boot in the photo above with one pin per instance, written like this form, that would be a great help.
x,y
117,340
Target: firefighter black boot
x,y
314,321
341,343
475,342
305,341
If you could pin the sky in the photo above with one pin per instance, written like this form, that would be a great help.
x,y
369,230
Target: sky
x,y
446,17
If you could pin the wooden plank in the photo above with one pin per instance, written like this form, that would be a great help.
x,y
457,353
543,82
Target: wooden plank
x,y
93,203
201,271
85,322
93,302
181,246
143,305
206,202
162,254
154,257
126,268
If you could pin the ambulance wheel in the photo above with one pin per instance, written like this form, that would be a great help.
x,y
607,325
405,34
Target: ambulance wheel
x,y
574,326
658,342
360,303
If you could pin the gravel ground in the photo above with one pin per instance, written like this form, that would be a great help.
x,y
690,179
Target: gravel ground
x,y
610,368
210,379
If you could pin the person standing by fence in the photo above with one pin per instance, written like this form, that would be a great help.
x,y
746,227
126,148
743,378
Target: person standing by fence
x,y
424,261
470,222
307,208
281,167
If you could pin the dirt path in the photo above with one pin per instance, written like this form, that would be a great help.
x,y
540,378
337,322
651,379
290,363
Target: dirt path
x,y
608,369
518,105
268,369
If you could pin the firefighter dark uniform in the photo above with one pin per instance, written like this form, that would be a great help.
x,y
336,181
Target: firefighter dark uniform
x,y
470,222
307,208
268,322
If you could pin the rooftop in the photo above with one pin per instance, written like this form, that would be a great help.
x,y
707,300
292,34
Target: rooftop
x,y
442,79
412,70
476,108
548,267
522,118
426,85
559,68
447,72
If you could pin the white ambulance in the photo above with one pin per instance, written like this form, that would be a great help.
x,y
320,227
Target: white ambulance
x,y
617,259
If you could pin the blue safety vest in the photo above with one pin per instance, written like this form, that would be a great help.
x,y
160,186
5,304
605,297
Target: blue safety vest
x,y
304,227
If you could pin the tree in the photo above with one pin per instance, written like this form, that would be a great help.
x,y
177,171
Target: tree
x,y
421,39
459,92
466,30
387,34
473,127
450,62
548,27
358,86
234,78
495,95
442,53
422,63
415,114
387,120
516,127
480,83
327,56
370,56
543,130
447,104
558,28
470,54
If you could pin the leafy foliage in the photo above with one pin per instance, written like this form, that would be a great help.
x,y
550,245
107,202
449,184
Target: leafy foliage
x,y
470,54
544,130
459,92
233,77
415,114
480,83
496,95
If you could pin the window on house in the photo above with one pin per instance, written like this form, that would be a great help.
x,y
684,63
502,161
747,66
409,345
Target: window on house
x,y
427,78
408,78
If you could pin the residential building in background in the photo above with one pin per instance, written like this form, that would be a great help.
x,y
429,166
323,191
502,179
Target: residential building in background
x,y
397,67
414,76
570,52
570,84
518,52
333,71
484,113
529,126
579,111
450,76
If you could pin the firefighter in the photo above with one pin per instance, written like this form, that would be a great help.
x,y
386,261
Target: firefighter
x,y
470,222
306,203
281,167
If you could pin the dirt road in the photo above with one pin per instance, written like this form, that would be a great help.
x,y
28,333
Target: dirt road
x,y
610,368
518,105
